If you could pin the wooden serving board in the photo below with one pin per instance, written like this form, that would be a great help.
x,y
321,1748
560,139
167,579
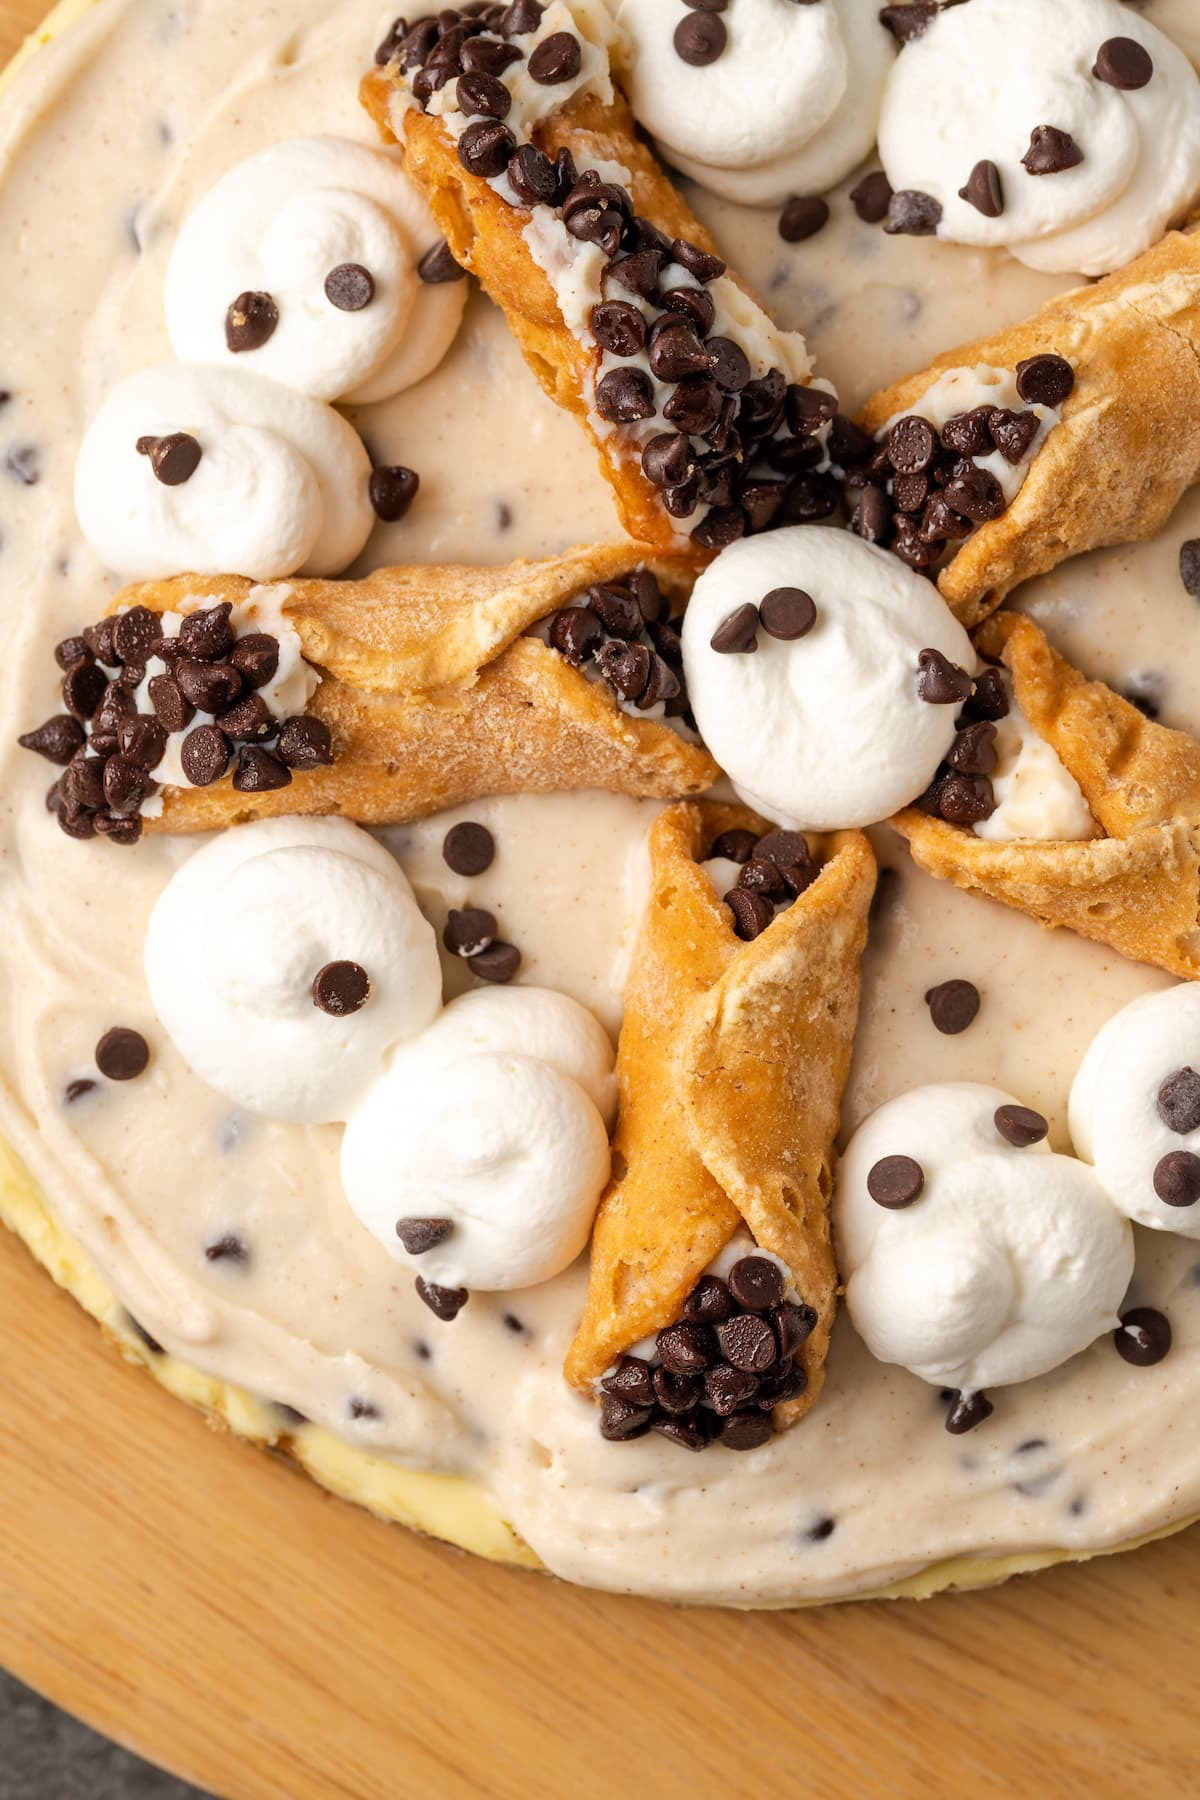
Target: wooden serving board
x,y
206,1605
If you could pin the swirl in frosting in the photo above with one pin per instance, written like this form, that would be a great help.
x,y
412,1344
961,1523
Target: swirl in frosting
x,y
331,232
789,107
274,483
1031,109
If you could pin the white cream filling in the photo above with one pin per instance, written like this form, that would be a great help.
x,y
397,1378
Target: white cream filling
x,y
1037,796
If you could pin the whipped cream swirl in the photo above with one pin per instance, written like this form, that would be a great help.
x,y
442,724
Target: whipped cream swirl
x,y
828,729
1009,1261
235,944
279,487
983,78
789,107
282,224
493,1125
1135,1109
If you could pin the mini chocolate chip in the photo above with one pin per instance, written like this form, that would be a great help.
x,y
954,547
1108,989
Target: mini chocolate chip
x,y
485,56
137,634
696,305
481,94
967,1411
350,287
911,445
57,740
229,1247
83,688
444,1303
735,846
250,321
438,265
630,1379
469,848
911,213
976,494
468,930
748,1342
248,721
206,635
1177,1178
752,913
1013,433
1179,1101
1051,151
1123,63
639,272
721,526
392,489
304,743
126,784
625,395
895,1182
676,352
984,190
174,459
700,263
759,876
728,1388
616,609
970,433
699,39
871,198
626,667
204,755
75,1090
908,22
873,515
677,1393
258,772
1143,1336
556,59
802,217
341,988
142,740
99,640
485,148
737,635
622,1419
709,1302
211,687
82,785
787,613
973,751
420,1235
71,650
576,633
497,964
788,850
988,699
964,799
690,1431
122,1054
953,1005
745,1431
1020,1125
667,459
532,177
1045,380
756,1283
519,19
793,1326
941,682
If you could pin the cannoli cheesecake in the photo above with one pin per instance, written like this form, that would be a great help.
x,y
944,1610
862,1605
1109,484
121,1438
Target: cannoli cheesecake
x,y
600,805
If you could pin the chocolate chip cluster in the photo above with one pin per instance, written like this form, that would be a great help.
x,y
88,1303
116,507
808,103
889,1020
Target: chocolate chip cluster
x,y
107,747
719,1370
920,491
961,792
775,869
625,628
744,448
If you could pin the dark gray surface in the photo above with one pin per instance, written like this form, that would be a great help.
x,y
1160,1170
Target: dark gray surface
x,y
46,1755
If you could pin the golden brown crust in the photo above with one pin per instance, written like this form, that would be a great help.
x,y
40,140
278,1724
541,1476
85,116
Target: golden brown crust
x,y
1136,889
433,697
731,1063
1129,442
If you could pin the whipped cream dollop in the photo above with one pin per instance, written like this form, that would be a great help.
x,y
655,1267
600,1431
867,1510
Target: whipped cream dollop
x,y
1036,794
279,484
1007,1262
986,83
827,729
493,1125
1135,1109
332,232
249,958
790,106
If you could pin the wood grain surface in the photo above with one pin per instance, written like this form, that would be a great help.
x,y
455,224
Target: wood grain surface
x,y
206,1605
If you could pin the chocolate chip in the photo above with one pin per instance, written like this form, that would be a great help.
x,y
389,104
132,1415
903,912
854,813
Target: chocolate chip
x,y
122,1054
752,913
745,1431
75,1090
1051,151
941,682
255,657
873,516
119,828
258,772
1179,1101
420,1235
126,784
99,640
83,688
206,635
700,263
57,740
895,1182
677,1393
621,1419
988,699
576,633
82,785
694,1431
204,755
963,799
973,751
667,459
304,743
438,265
695,405
1177,1178
911,445
1045,380
735,846
350,287
911,213
788,850
468,930
71,650
341,988
444,1303
1013,433
802,217
953,1005
626,667
737,635
759,876
229,1247
908,22
970,434
700,38
522,17
631,1380
556,59
976,494
468,848
250,321
625,395
211,687
709,1302
532,177
174,459
676,352
967,1411
787,613
1123,63
638,273
756,1283
748,1342
617,610
391,490
728,1388
497,964
1143,1337
1020,1125
248,721
871,198
984,190
488,57
793,1326
485,147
